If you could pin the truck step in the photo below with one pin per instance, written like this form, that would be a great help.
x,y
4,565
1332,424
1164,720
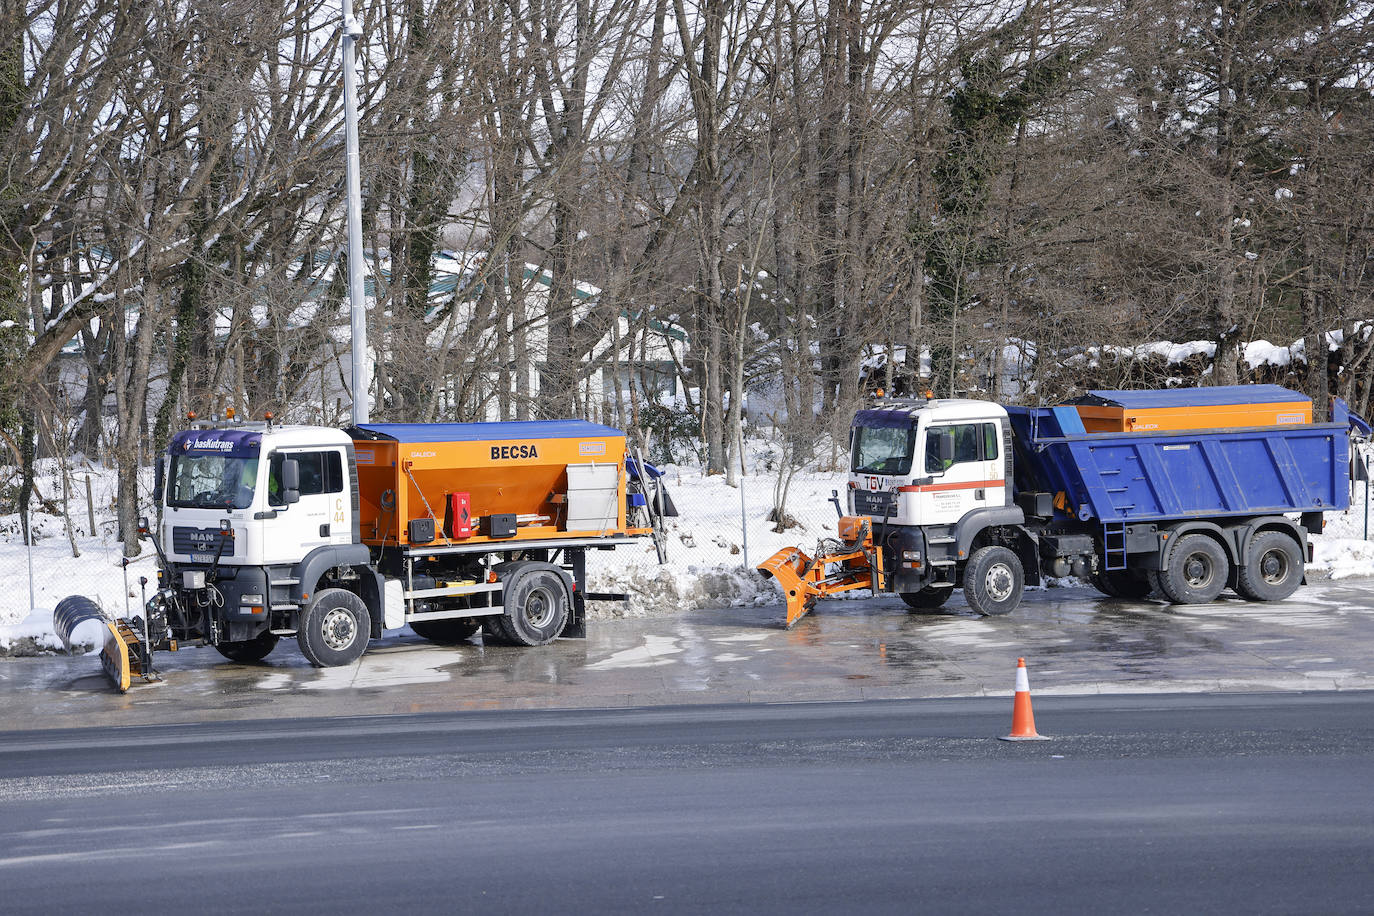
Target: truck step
x,y
940,563
940,540
276,582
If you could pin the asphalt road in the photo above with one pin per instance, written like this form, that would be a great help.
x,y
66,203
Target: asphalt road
x,y
1141,804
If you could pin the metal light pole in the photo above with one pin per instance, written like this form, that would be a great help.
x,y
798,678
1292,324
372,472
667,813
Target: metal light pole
x,y
352,31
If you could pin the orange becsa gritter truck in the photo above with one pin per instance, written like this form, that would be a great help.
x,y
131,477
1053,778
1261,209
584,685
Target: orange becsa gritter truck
x,y
277,530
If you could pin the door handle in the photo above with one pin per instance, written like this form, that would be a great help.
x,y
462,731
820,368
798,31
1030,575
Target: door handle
x,y
978,494
324,531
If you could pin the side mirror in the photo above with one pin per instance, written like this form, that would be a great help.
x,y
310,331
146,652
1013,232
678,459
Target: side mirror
x,y
290,481
946,446
940,445
159,478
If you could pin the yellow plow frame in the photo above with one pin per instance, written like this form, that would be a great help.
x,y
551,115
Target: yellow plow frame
x,y
838,566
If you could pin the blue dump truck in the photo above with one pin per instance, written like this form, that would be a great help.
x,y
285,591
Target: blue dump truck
x,y
1178,492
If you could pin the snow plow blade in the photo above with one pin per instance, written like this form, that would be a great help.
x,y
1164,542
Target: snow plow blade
x,y
70,613
123,653
790,567
856,564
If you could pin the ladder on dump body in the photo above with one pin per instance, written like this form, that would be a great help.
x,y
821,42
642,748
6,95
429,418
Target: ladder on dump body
x,y
1114,545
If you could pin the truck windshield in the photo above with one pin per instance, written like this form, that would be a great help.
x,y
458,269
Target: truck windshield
x,y
883,450
212,481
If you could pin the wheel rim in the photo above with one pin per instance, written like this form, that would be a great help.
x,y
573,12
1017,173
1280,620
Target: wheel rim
x,y
338,628
539,607
999,582
1198,570
1274,566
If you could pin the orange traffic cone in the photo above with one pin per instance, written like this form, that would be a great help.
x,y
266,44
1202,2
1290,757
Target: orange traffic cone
x,y
1022,719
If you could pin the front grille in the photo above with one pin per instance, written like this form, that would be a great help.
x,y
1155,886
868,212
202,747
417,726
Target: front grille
x,y
201,542
878,505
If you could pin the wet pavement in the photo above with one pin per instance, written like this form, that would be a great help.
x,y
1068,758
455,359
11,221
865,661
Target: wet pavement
x,y
1075,641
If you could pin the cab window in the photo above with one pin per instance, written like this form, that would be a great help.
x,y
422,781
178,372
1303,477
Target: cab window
x,y
883,450
990,440
972,442
321,472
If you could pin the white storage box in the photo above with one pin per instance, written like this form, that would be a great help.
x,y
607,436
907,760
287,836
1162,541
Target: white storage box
x,y
592,497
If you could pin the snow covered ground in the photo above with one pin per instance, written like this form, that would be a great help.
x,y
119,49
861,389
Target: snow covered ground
x,y
707,563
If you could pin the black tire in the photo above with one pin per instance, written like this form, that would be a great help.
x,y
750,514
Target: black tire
x,y
447,632
334,630
494,631
1156,579
1273,567
1195,571
536,609
1126,584
927,599
993,581
248,651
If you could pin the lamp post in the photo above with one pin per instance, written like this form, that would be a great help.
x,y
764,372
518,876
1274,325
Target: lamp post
x,y
352,31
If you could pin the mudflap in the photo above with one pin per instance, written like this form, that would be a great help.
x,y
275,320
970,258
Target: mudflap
x,y
790,567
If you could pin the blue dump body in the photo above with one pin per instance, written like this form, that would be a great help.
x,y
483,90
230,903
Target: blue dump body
x,y
1149,476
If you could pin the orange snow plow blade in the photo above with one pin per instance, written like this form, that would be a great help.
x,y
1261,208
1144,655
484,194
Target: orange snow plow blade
x,y
791,568
838,566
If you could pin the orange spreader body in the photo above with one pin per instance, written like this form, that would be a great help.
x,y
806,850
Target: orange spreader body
x,y
1126,420
520,472
1170,409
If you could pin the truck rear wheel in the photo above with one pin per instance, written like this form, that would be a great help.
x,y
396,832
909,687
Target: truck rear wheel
x,y
993,581
536,610
446,632
247,651
1122,583
928,598
1196,570
334,630
1273,568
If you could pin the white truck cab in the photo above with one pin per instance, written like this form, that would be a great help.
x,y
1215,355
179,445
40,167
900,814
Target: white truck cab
x,y
233,479
259,525
929,462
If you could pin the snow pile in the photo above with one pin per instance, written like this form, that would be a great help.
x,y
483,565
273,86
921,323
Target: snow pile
x,y
1341,550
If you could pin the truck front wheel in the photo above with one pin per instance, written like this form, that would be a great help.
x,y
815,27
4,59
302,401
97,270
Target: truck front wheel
x,y
993,581
1273,568
334,630
1196,571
